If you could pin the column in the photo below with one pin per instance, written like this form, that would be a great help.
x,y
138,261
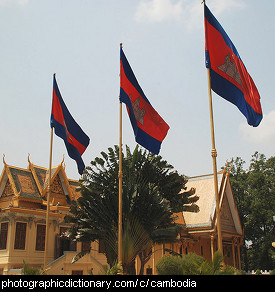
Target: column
x,y
239,254
212,245
233,251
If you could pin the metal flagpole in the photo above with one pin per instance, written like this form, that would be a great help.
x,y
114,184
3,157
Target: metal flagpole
x,y
214,158
120,175
48,203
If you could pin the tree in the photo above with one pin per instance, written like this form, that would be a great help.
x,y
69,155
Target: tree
x,y
254,191
152,192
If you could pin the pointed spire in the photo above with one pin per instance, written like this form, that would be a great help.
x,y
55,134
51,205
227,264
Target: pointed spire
x,y
29,160
4,159
228,173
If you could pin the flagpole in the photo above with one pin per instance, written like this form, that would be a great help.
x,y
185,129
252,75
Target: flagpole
x,y
214,158
48,203
120,175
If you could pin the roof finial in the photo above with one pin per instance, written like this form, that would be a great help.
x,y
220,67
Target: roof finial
x,y
29,158
4,159
228,173
224,170
63,159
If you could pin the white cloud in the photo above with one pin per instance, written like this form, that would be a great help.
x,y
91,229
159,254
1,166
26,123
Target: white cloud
x,y
264,133
20,2
189,12
23,2
158,10
220,6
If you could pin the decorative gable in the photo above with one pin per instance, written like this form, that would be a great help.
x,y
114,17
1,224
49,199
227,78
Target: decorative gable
x,y
21,187
57,193
226,217
56,187
8,191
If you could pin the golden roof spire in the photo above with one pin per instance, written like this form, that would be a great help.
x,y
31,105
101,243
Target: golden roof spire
x,y
4,159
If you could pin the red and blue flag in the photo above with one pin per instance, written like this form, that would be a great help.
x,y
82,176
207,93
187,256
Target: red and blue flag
x,y
149,127
66,128
229,77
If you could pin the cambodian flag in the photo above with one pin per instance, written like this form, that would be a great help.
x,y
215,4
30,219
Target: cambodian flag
x,y
149,127
66,128
229,77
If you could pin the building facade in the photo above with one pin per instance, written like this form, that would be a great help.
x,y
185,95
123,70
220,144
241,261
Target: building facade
x,y
23,203
199,230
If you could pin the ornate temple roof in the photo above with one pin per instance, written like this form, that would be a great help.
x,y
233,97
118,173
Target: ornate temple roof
x,y
31,184
205,219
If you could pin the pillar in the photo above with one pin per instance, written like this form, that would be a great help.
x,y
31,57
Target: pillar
x,y
212,245
239,255
233,251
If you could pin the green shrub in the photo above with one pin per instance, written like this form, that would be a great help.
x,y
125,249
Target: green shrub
x,y
29,270
193,264
169,265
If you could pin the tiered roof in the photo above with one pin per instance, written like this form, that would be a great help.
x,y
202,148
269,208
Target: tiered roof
x,y
31,184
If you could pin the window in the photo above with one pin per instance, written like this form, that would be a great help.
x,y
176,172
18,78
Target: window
x,y
66,243
4,235
40,237
85,245
20,235
101,246
63,243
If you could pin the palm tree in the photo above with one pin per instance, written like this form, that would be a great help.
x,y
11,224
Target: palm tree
x,y
152,192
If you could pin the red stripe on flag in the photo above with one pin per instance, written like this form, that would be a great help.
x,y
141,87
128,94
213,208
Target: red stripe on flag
x,y
218,51
58,116
153,124
57,109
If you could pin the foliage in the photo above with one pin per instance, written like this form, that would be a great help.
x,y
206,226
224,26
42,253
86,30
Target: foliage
x,y
254,192
116,269
152,192
193,264
169,265
29,270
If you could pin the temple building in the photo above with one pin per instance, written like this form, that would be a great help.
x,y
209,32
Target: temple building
x,y
23,206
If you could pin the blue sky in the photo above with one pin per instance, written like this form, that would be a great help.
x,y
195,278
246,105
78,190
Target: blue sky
x,y
164,43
